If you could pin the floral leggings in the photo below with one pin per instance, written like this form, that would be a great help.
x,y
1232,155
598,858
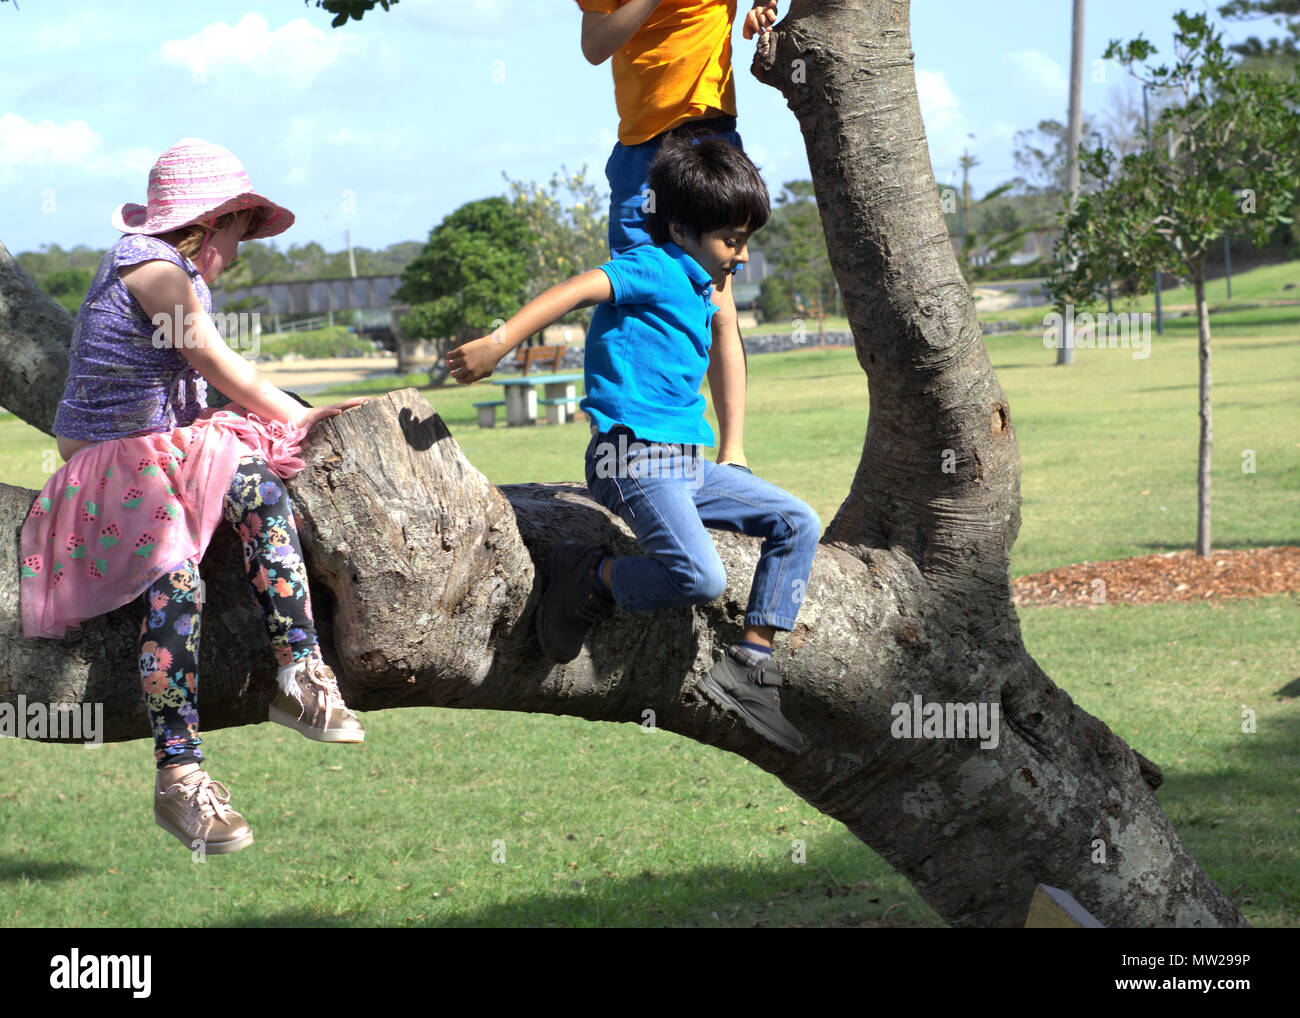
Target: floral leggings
x,y
256,505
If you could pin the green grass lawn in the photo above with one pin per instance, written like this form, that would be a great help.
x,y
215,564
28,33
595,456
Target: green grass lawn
x,y
684,835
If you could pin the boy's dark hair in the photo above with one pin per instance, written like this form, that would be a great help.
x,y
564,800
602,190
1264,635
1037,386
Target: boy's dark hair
x,y
702,186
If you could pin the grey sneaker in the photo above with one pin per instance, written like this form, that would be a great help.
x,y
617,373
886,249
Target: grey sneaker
x,y
746,684
574,601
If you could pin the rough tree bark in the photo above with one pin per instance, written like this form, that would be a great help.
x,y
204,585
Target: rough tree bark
x,y
425,585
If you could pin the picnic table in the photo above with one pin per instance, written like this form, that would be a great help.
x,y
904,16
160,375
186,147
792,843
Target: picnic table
x,y
521,400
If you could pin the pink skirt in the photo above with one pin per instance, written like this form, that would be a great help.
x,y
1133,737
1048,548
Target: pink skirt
x,y
119,514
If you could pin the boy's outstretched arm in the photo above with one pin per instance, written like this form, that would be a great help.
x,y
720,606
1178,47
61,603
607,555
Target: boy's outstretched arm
x,y
603,35
479,357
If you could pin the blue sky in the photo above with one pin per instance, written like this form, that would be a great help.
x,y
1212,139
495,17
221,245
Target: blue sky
x,y
385,126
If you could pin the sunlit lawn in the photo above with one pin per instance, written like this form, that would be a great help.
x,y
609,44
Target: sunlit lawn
x,y
403,830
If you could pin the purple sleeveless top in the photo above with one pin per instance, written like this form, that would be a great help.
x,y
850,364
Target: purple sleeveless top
x,y
119,382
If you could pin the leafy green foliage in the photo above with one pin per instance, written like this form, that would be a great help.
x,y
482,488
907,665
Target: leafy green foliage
x,y
1270,55
1224,158
472,274
332,341
569,220
794,244
68,287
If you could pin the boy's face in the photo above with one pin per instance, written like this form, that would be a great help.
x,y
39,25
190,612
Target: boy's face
x,y
719,252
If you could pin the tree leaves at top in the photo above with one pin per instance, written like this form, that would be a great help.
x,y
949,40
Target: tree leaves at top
x,y
472,274
350,9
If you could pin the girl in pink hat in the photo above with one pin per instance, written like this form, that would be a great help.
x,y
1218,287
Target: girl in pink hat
x,y
151,470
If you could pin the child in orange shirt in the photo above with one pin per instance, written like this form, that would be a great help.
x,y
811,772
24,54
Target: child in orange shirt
x,y
672,75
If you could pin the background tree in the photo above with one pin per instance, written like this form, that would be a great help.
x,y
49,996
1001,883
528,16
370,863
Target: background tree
x,y
794,245
51,258
68,287
472,274
1121,124
1041,155
569,220
1276,56
994,226
1225,157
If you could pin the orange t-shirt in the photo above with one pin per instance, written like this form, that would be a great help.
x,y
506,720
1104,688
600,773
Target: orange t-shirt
x,y
675,67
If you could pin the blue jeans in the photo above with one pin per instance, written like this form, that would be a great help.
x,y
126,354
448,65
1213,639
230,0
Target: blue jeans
x,y
668,494
628,173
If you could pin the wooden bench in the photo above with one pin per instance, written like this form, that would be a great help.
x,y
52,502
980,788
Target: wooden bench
x,y
487,412
543,355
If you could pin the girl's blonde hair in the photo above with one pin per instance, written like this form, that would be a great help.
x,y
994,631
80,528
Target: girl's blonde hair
x,y
188,240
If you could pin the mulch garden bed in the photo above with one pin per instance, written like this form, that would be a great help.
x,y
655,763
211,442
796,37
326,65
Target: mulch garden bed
x,y
1174,576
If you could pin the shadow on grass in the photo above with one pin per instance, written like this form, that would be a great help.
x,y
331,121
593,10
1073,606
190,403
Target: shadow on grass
x,y
1290,691
1262,346
13,869
1248,851
1255,543
826,891
1189,385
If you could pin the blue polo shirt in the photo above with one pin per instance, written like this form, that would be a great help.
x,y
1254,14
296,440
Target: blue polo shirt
x,y
648,348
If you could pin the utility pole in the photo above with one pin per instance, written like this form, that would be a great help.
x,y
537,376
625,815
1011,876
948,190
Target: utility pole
x,y
352,261
968,162
1065,352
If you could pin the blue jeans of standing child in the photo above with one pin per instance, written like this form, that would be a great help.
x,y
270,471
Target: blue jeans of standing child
x,y
668,494
628,173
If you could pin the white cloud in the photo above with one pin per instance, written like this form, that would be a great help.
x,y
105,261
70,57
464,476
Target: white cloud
x,y
944,121
933,92
297,51
1039,72
946,127
46,144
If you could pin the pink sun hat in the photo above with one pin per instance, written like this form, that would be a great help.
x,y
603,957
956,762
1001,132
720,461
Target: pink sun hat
x,y
195,180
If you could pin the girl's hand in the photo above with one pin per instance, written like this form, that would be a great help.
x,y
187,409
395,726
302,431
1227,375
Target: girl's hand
x,y
760,19
314,415
476,359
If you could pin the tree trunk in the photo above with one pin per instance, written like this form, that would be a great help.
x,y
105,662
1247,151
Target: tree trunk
x,y
1203,462
425,586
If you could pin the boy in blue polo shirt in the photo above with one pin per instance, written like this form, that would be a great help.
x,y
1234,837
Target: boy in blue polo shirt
x,y
646,357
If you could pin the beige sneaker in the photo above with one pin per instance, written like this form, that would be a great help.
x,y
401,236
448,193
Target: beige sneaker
x,y
195,810
309,702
